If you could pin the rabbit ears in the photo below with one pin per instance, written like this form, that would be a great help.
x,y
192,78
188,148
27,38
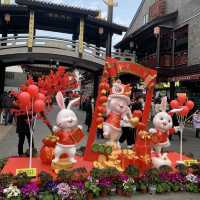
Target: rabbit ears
x,y
61,102
164,104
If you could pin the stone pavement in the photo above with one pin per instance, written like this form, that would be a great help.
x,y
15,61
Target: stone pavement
x,y
9,140
168,196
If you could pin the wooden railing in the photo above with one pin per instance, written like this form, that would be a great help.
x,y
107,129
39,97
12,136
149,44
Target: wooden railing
x,y
180,59
61,44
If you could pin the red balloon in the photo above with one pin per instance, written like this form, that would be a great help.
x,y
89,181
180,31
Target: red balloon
x,y
174,104
41,96
24,99
184,112
182,99
190,104
137,113
39,105
33,90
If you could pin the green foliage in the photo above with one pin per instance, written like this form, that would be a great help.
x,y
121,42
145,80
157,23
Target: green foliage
x,y
182,169
46,196
44,178
101,148
91,186
163,187
153,176
21,179
192,187
65,176
165,169
132,171
5,180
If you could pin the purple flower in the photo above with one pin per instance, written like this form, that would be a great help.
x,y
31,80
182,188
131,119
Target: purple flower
x,y
105,182
51,186
30,190
122,177
63,190
77,185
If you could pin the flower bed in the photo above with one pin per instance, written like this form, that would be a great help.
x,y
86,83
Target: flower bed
x,y
79,185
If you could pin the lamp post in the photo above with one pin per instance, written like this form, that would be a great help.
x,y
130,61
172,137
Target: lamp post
x,y
110,4
157,35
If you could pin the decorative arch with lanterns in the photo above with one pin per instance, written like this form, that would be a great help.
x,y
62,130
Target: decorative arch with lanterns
x,y
113,68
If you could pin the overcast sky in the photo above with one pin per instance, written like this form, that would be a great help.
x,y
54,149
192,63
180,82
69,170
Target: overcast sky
x,y
123,13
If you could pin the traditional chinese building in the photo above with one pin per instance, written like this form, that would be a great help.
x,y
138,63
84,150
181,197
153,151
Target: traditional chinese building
x,y
165,35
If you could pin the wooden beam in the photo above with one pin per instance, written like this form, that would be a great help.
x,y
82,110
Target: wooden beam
x,y
31,30
81,35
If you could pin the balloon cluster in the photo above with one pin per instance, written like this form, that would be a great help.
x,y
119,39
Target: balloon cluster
x,y
182,103
31,99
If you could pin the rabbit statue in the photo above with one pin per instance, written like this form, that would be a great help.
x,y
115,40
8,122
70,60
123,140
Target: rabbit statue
x,y
67,130
117,108
160,134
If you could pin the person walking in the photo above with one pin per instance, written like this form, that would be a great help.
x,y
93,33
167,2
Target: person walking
x,y
196,122
89,109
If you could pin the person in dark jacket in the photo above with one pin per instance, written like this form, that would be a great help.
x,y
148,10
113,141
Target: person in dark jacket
x,y
89,109
22,128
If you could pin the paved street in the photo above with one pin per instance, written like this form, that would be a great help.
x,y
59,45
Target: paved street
x,y
8,147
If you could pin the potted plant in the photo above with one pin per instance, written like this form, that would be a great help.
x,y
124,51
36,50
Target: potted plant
x,y
127,187
105,185
44,178
30,191
92,188
132,171
192,183
12,193
153,179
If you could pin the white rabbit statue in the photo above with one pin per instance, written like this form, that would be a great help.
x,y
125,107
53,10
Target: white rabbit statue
x,y
163,128
117,108
67,130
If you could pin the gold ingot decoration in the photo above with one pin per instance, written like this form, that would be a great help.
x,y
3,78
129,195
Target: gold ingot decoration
x,y
134,121
62,164
103,92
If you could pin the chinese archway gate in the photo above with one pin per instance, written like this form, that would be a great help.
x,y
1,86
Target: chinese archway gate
x,y
112,69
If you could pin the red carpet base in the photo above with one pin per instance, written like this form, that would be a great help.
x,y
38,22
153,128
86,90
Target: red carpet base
x,y
19,163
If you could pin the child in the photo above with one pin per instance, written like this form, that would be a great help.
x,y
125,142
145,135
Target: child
x,y
196,122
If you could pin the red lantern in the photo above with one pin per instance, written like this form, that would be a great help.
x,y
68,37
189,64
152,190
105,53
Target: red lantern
x,y
190,104
184,112
33,90
47,154
174,104
104,86
100,120
41,96
101,109
39,105
103,99
182,99
24,99
137,113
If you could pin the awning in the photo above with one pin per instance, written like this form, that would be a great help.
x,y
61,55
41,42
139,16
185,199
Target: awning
x,y
185,78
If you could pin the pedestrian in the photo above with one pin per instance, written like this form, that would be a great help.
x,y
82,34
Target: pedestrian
x,y
89,109
7,105
23,131
196,122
